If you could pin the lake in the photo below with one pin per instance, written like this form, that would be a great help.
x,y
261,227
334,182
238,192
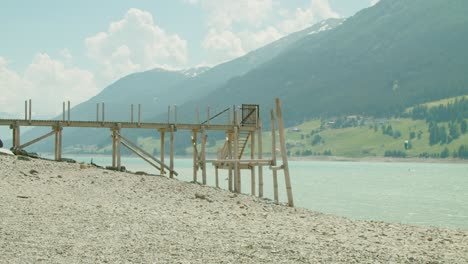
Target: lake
x,y
428,194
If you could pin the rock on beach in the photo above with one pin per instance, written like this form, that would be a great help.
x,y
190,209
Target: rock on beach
x,y
55,212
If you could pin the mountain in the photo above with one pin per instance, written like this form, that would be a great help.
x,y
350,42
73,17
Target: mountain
x,y
156,89
395,54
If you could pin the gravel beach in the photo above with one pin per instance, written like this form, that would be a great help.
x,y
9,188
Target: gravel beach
x,y
55,212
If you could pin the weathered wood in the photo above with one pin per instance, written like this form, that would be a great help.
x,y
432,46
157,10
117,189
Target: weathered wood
x,y
273,156
141,156
30,110
36,140
252,156
162,150
68,112
114,147
103,113
230,177
284,153
58,143
203,156
216,177
119,150
139,114
195,156
260,156
147,154
171,162
237,180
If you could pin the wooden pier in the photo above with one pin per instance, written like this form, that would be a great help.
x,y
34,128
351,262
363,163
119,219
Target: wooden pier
x,y
242,130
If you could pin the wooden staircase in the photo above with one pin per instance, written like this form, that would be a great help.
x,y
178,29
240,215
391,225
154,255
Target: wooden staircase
x,y
243,140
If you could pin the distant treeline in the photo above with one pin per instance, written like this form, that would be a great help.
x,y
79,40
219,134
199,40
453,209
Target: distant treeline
x,y
456,111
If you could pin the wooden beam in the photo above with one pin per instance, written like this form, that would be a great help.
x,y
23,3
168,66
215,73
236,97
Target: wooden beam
x,y
203,156
36,140
171,162
141,156
284,153
195,156
162,150
260,156
147,154
252,156
273,156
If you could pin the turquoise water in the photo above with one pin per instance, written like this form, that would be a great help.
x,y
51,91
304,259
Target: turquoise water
x,y
428,194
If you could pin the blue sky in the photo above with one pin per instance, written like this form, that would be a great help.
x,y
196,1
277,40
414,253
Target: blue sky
x,y
70,50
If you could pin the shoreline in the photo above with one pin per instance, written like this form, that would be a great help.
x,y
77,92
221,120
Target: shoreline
x,y
64,212
318,158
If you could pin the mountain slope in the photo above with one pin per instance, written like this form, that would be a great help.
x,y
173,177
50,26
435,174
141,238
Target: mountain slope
x,y
396,54
156,89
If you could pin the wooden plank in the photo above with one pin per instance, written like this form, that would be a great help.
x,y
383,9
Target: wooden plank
x,y
252,156
203,156
171,162
260,156
36,140
195,156
162,150
284,153
141,156
146,153
273,156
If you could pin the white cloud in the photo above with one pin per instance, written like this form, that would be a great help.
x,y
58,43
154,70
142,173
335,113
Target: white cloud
x,y
65,53
255,40
223,13
373,2
135,43
223,42
303,18
48,82
223,45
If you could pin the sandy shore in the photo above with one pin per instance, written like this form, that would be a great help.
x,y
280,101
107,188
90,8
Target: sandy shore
x,y
66,213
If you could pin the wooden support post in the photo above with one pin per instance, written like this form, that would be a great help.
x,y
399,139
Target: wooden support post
x,y
230,178
171,162
273,156
139,114
68,112
63,113
162,151
103,112
30,110
26,110
203,156
58,143
284,153
168,114
208,115
237,180
16,136
36,140
216,177
114,147
175,114
195,156
252,156
119,153
260,156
